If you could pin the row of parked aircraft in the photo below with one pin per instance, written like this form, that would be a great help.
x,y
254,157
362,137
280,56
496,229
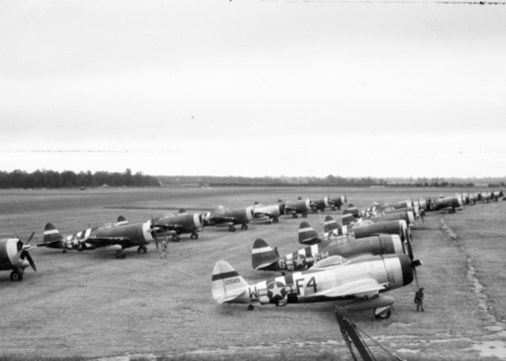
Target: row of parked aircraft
x,y
14,255
121,235
354,263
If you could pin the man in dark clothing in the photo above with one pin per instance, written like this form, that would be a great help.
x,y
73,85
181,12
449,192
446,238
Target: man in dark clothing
x,y
419,299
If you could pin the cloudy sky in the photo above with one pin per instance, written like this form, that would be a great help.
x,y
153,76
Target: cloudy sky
x,y
253,88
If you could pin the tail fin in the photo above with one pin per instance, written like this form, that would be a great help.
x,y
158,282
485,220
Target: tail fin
x,y
263,255
52,237
227,285
307,235
121,221
330,225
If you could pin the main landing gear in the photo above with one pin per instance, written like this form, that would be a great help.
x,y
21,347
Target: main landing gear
x,y
194,236
120,254
231,228
142,249
382,313
175,238
17,275
244,227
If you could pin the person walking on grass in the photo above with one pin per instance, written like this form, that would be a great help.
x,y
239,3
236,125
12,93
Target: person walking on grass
x,y
419,299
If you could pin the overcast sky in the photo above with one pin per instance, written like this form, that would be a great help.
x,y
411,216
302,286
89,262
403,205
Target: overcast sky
x,y
253,88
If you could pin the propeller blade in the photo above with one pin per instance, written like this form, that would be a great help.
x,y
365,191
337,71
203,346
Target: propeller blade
x,y
416,277
30,260
153,232
30,238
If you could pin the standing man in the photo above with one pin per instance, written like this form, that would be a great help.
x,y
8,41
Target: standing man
x,y
419,299
165,247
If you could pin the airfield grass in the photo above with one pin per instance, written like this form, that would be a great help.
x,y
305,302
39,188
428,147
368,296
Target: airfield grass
x,y
92,305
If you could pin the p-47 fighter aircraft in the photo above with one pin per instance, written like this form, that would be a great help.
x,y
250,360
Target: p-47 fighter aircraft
x,y
176,225
116,236
229,218
451,203
14,256
272,211
354,285
264,257
300,206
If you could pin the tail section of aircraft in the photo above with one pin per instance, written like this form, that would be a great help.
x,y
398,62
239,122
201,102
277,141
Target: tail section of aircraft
x,y
307,235
263,255
227,285
52,237
121,221
330,225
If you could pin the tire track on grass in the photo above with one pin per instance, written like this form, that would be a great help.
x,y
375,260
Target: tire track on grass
x,y
484,303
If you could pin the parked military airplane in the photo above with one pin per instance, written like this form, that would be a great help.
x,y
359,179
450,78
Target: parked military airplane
x,y
319,204
272,211
14,256
354,285
229,218
300,206
264,257
451,203
175,225
338,202
116,236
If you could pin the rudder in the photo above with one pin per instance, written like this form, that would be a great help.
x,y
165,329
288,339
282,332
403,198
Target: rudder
x,y
227,285
263,255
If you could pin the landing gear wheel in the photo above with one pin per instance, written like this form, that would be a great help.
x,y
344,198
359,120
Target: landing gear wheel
x,y
275,220
304,215
120,255
142,249
175,238
231,229
16,276
194,236
244,227
250,308
382,313
294,215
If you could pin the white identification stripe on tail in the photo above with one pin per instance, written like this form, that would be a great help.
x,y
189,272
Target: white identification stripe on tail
x,y
262,250
51,231
307,229
326,223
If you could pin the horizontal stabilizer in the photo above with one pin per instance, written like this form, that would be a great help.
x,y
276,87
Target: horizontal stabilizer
x,y
263,255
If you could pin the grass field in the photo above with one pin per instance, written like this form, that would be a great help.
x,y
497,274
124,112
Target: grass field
x,y
92,305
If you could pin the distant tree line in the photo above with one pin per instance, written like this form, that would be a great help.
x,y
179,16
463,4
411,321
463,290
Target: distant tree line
x,y
67,179
328,181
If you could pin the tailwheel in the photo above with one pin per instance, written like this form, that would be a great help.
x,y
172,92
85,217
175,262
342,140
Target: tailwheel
x,y
244,227
142,249
16,275
250,308
382,313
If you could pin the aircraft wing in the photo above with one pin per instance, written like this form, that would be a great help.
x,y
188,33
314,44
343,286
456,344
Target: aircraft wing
x,y
358,288
220,219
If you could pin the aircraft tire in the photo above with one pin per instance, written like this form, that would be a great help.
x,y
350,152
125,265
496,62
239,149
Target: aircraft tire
x,y
304,215
231,229
275,220
294,215
194,236
16,276
176,239
384,315
244,227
